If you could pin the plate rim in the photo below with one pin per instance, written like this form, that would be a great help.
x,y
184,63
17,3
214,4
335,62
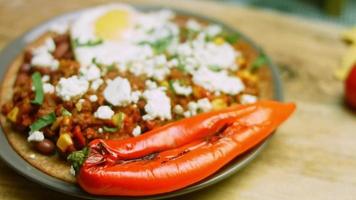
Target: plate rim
x,y
22,167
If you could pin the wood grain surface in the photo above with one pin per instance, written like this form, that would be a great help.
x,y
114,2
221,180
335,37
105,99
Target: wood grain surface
x,y
312,156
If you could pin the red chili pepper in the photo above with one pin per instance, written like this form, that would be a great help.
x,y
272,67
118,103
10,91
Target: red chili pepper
x,y
177,167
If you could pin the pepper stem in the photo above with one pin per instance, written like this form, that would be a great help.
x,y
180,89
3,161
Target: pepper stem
x,y
77,158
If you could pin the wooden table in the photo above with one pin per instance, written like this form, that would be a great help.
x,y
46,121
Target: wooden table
x,y
313,155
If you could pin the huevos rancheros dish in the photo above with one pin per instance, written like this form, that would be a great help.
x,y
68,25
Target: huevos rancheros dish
x,y
136,103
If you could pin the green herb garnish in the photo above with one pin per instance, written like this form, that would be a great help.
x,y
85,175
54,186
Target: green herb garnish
x,y
188,34
232,38
65,112
110,129
258,62
214,68
37,83
111,67
77,158
90,43
43,122
171,87
181,66
160,45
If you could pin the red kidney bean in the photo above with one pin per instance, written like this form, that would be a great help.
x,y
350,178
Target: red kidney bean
x,y
45,147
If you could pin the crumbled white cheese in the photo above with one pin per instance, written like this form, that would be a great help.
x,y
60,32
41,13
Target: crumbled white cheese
x,y
247,99
45,78
202,105
42,56
100,130
193,108
104,112
44,59
36,136
155,67
136,131
50,45
48,88
193,25
93,98
118,92
150,84
187,114
68,88
90,73
178,109
32,156
135,96
72,170
218,81
213,30
181,90
59,28
158,105
96,84
212,55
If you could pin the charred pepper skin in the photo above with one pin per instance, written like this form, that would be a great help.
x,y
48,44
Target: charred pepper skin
x,y
174,168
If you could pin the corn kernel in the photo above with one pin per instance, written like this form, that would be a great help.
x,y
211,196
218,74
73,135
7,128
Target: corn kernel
x,y
164,84
118,119
78,106
12,115
56,123
219,41
245,74
218,104
64,141
241,61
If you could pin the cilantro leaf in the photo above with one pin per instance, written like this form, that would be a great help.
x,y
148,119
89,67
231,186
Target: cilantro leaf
x,y
110,129
232,38
43,122
65,112
160,45
171,87
258,62
90,43
77,158
37,83
214,68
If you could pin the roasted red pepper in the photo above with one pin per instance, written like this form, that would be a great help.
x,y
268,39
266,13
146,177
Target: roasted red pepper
x,y
181,161
174,134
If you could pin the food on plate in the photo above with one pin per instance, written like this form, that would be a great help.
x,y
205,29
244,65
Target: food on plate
x,y
146,165
116,75
350,87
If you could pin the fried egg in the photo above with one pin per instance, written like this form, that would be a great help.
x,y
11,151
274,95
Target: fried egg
x,y
99,34
106,23
118,34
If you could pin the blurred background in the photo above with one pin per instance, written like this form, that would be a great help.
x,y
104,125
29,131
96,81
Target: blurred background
x,y
338,11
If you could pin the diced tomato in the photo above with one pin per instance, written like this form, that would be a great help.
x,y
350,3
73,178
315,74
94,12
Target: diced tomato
x,y
78,137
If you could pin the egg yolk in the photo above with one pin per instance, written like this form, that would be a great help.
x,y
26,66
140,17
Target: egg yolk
x,y
112,24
